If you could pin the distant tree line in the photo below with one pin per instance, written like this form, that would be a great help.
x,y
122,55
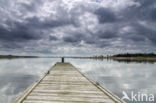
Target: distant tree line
x,y
101,56
14,56
135,55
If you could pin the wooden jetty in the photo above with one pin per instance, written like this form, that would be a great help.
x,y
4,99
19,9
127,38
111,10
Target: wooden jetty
x,y
63,83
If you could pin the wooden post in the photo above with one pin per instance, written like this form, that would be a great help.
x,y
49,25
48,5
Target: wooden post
x,y
62,59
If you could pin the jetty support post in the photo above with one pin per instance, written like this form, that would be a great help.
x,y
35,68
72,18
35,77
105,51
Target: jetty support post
x,y
62,59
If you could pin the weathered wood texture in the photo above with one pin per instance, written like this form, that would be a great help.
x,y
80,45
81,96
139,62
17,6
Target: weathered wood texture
x,y
63,83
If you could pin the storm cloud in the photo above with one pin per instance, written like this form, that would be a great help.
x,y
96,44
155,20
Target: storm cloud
x,y
77,27
105,15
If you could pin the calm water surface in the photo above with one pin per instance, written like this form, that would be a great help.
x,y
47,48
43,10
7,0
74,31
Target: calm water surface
x,y
17,74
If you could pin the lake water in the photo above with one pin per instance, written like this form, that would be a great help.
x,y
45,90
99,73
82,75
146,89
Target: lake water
x,y
118,77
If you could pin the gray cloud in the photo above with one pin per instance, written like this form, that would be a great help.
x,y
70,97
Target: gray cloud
x,y
105,15
18,33
142,33
71,39
107,34
53,38
35,23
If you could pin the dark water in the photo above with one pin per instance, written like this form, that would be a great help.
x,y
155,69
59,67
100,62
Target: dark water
x,y
17,74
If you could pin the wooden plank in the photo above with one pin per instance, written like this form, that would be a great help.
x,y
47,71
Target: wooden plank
x,y
63,83
66,87
86,95
67,98
40,101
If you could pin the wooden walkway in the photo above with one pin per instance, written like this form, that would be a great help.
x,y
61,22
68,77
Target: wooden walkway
x,y
63,83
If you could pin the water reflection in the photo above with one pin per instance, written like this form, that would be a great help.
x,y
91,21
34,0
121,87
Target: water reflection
x,y
17,74
120,76
150,61
135,61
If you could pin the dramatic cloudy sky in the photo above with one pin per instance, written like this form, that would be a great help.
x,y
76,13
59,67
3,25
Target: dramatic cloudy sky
x,y
77,27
